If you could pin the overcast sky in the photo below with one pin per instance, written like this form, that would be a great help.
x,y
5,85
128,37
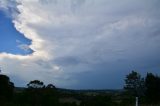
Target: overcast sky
x,y
79,44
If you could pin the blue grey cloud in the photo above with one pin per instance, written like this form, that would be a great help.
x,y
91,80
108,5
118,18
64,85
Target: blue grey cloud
x,y
93,43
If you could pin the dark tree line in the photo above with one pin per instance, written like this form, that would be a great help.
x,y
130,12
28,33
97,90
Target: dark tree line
x,y
6,88
36,94
39,94
134,84
152,84
147,88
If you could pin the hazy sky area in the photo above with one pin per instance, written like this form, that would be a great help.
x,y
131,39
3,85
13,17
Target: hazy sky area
x,y
79,44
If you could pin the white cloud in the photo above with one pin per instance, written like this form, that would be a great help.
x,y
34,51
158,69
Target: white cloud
x,y
24,47
73,36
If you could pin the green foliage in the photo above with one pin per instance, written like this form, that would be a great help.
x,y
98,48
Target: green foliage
x,y
6,88
134,84
35,84
98,100
147,90
152,84
37,94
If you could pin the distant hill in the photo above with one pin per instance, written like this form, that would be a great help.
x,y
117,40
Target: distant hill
x,y
20,89
112,91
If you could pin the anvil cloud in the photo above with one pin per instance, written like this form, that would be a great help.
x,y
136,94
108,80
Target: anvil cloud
x,y
84,43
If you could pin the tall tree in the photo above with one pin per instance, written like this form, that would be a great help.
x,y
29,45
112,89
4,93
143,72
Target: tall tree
x,y
50,96
152,84
134,84
6,87
39,95
35,84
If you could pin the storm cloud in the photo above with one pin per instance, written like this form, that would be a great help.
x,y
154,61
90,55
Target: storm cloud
x,y
85,43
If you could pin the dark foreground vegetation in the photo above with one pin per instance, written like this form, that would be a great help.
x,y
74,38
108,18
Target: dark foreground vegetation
x,y
38,94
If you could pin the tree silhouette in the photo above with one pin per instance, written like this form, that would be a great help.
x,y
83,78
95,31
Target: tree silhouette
x,y
39,95
134,84
35,84
152,84
50,86
6,88
50,96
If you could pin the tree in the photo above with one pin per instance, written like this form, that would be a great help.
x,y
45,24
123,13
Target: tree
x,y
35,84
152,84
51,86
6,88
134,84
37,94
34,92
50,96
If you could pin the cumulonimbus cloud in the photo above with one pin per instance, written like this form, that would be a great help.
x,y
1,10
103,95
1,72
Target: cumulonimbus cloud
x,y
77,37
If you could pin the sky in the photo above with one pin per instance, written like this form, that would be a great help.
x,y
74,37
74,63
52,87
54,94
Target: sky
x,y
79,44
11,40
